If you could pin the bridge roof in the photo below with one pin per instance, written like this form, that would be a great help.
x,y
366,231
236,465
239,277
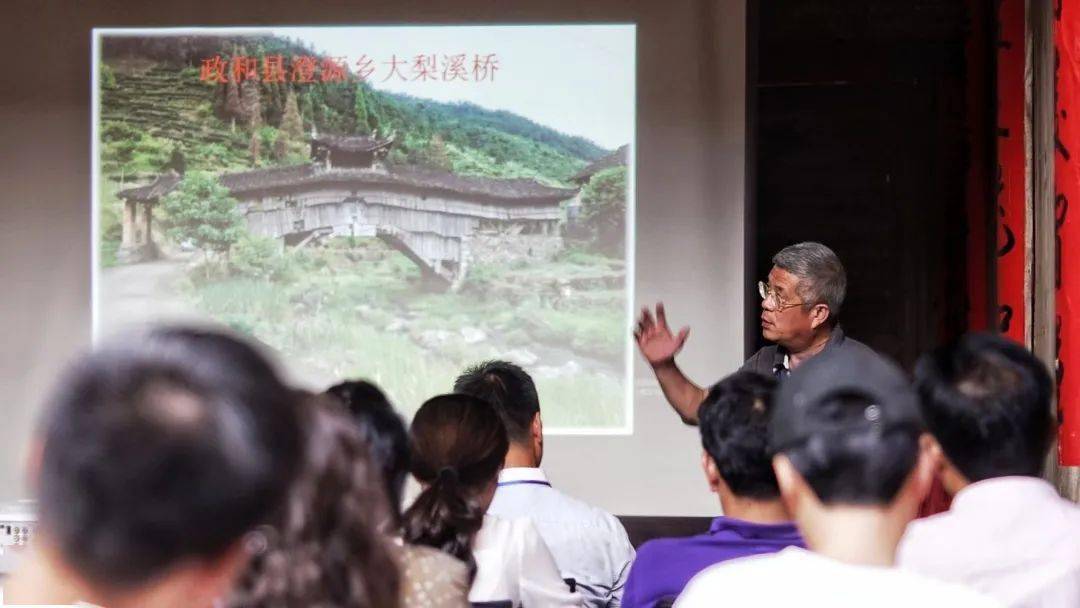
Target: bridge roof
x,y
506,191
615,159
518,190
352,143
162,185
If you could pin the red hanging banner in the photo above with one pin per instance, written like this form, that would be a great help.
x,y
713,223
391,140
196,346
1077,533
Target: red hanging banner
x,y
1067,237
1011,175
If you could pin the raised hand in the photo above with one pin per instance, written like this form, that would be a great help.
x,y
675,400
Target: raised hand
x,y
654,337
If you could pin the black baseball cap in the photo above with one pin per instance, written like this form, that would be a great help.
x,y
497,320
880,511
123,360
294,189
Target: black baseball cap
x,y
802,410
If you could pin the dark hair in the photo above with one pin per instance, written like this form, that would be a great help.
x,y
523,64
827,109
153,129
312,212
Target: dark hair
x,y
383,430
734,422
858,462
987,401
458,444
162,447
325,548
507,387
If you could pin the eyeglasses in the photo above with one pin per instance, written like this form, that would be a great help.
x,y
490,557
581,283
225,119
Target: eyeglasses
x,y
766,291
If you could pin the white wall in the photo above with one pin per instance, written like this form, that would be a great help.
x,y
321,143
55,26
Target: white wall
x,y
690,212
690,223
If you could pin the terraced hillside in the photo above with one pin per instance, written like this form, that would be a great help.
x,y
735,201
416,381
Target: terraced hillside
x,y
169,103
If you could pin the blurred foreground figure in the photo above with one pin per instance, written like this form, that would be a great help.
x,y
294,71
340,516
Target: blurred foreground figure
x,y
846,433
158,454
987,402
737,465
325,548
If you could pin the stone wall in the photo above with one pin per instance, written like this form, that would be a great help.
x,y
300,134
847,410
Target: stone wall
x,y
490,247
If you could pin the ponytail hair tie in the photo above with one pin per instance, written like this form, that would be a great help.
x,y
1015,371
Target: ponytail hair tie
x,y
448,475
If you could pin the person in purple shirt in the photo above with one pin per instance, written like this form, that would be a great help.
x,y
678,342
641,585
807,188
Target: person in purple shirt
x,y
733,421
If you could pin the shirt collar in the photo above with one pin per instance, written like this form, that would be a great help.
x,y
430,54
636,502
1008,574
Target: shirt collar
x,y
781,359
835,337
992,494
522,474
749,529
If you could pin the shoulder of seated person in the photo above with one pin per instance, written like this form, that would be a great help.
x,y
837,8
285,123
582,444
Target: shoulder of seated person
x,y
567,507
509,525
738,566
949,593
421,553
593,513
657,548
925,538
726,576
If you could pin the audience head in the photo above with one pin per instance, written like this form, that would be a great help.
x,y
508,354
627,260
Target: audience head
x,y
987,402
804,292
511,390
733,421
846,432
325,548
458,443
160,451
383,430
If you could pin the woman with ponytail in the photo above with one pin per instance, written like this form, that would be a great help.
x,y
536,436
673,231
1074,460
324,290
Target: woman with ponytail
x,y
429,577
457,447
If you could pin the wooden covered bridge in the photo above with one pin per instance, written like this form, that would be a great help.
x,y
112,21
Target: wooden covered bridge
x,y
430,216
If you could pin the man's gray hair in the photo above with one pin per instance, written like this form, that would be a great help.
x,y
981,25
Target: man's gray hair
x,y
822,279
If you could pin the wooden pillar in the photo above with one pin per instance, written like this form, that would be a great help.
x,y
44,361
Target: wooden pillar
x,y
148,214
127,223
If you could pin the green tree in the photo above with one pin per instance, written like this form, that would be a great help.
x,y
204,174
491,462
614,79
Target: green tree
x,y
261,258
232,100
177,160
106,78
200,211
291,124
117,157
255,146
280,151
360,109
435,154
603,209
250,104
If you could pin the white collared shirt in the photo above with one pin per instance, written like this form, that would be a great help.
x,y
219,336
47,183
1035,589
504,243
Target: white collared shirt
x,y
513,564
589,544
797,577
1010,537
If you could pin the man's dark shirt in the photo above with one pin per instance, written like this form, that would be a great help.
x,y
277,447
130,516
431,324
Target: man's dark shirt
x,y
770,359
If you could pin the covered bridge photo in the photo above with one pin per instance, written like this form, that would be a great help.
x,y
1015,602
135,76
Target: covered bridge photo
x,y
440,220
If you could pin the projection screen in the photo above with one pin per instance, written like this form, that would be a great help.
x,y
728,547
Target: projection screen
x,y
390,203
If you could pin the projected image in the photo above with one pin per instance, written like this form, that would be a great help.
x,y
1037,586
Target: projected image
x,y
390,203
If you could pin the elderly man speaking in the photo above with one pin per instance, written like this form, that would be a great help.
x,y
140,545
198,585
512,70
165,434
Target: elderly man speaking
x,y
800,304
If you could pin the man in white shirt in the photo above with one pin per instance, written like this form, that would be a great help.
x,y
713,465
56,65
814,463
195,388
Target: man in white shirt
x,y
590,546
987,401
845,430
